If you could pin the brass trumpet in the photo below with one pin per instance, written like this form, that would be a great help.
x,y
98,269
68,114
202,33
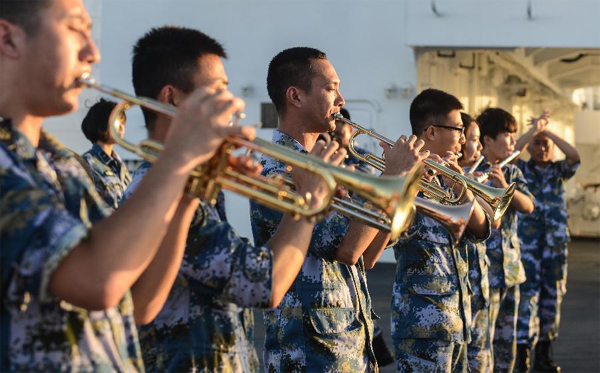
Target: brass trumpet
x,y
453,217
392,195
498,198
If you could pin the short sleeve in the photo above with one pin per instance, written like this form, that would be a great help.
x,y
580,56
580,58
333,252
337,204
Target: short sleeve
x,y
518,177
222,264
566,170
36,233
474,239
326,236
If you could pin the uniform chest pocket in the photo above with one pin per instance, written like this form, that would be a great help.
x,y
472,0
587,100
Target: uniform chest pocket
x,y
333,320
433,285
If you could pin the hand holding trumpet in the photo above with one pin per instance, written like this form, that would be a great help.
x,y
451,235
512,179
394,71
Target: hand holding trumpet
x,y
201,124
403,156
309,184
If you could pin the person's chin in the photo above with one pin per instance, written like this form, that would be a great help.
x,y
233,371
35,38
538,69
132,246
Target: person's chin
x,y
71,99
66,106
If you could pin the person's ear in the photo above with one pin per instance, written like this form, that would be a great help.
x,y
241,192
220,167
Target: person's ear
x,y
294,96
12,39
430,133
169,95
487,141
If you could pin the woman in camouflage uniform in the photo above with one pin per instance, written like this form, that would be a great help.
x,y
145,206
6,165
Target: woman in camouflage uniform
x,y
109,173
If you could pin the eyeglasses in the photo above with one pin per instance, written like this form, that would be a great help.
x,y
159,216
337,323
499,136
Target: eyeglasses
x,y
459,129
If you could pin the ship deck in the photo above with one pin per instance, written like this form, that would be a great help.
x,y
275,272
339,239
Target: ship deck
x,y
578,346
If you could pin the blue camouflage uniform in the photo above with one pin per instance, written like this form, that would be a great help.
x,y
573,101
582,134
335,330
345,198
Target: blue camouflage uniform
x,y
431,310
479,349
47,206
323,323
544,238
206,324
109,174
505,274
358,164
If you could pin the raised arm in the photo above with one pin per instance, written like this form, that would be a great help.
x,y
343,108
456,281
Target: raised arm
x,y
120,248
570,152
537,126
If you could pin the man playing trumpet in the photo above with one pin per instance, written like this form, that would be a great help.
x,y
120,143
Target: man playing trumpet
x,y
66,267
324,321
206,323
431,312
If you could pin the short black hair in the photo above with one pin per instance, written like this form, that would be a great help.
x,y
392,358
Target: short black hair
x,y
24,13
169,55
291,67
493,121
467,120
430,108
95,123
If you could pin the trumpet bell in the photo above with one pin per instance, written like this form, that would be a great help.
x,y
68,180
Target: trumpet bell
x,y
397,199
453,217
500,199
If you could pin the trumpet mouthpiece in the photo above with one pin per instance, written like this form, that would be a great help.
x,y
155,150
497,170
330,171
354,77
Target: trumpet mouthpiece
x,y
85,80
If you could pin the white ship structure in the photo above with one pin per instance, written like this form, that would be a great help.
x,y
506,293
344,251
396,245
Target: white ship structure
x,y
522,55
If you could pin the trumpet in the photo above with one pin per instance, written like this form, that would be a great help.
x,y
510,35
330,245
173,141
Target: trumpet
x,y
485,175
394,196
453,217
497,198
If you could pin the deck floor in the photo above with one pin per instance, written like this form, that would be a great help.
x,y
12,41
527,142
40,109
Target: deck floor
x,y
578,347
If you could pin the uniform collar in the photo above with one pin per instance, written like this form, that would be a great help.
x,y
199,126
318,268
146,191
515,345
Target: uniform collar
x,y
288,141
17,142
101,154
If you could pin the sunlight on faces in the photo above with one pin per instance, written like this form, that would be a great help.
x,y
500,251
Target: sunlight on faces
x,y
472,147
501,147
541,148
448,140
59,53
323,100
211,73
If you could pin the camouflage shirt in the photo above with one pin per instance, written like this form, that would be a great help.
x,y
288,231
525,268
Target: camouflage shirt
x,y
206,324
503,247
323,323
47,206
548,221
109,173
478,273
431,293
360,165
